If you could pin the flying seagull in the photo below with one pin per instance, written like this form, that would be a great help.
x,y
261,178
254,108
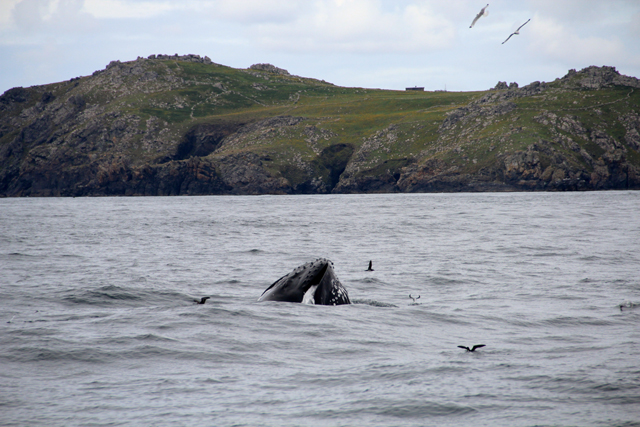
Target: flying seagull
x,y
472,348
516,32
483,12
202,300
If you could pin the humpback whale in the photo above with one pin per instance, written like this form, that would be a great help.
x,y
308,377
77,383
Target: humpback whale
x,y
202,300
311,283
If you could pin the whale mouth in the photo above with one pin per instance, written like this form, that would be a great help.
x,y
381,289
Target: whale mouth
x,y
309,296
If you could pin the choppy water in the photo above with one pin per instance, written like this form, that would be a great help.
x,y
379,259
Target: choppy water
x,y
98,325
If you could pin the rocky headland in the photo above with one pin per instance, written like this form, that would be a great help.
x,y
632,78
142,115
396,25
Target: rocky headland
x,y
173,125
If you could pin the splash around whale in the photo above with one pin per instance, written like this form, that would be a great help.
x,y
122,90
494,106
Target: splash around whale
x,y
311,283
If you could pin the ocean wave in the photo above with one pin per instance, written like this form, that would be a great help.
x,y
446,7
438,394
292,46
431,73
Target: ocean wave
x,y
406,409
45,354
564,321
103,295
372,303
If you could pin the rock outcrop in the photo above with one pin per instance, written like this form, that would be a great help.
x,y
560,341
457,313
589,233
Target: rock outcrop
x,y
269,68
597,78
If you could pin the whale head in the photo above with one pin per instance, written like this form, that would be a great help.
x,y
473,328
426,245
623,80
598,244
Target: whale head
x,y
312,283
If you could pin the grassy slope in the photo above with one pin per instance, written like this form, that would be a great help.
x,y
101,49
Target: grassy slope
x,y
215,93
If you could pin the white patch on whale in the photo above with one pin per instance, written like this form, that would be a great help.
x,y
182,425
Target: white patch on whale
x,y
309,296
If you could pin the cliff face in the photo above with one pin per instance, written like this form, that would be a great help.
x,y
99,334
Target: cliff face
x,y
170,125
577,133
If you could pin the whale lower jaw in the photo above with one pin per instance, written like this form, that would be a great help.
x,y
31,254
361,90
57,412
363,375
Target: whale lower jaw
x,y
338,295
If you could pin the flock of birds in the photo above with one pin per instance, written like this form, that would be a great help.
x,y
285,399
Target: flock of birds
x,y
415,299
485,12
370,268
626,305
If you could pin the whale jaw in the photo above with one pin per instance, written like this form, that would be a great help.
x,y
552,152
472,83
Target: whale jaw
x,y
312,283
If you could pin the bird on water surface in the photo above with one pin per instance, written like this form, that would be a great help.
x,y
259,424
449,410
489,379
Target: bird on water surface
x,y
472,348
483,12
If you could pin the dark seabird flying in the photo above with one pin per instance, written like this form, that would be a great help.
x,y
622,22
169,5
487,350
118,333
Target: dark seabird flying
x,y
516,32
202,300
370,266
472,348
483,12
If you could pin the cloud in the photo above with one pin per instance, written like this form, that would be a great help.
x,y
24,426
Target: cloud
x,y
359,26
36,17
238,11
6,9
258,11
559,42
381,43
634,25
611,12
126,9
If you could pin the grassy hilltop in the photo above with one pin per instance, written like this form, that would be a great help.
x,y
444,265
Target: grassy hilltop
x,y
183,125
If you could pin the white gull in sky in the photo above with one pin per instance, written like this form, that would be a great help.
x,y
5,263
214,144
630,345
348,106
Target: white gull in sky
x,y
483,12
516,32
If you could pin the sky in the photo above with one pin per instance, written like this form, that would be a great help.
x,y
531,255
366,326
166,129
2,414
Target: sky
x,y
387,44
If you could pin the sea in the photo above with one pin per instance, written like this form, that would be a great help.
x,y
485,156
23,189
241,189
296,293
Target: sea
x,y
98,324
